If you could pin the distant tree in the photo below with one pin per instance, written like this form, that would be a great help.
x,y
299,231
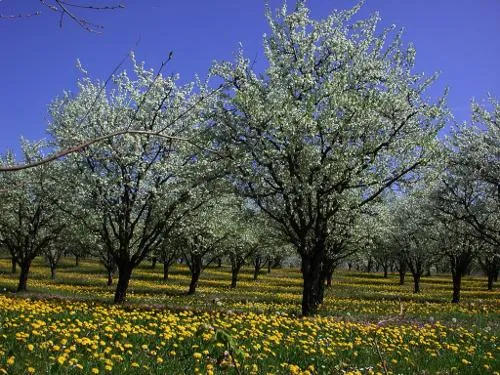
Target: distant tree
x,y
30,223
467,195
337,118
200,237
411,229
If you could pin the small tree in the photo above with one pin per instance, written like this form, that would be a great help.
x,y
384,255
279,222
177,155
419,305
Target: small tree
x,y
29,223
410,233
200,237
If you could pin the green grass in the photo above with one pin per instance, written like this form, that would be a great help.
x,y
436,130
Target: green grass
x,y
358,329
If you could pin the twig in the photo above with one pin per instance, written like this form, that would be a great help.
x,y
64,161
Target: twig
x,y
17,16
64,8
384,363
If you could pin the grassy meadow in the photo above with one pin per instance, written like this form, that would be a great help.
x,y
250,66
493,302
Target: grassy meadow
x,y
367,324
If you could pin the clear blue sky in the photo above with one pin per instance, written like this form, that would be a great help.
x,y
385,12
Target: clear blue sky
x,y
460,38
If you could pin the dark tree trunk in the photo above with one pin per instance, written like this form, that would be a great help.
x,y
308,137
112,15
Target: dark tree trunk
x,y
349,266
153,263
77,260
257,263
329,280
457,284
402,274
277,262
416,282
256,272
23,276
124,275
166,268
428,273
269,264
369,265
219,262
234,276
386,269
195,273
490,281
14,265
402,271
328,269
459,265
53,271
110,278
312,294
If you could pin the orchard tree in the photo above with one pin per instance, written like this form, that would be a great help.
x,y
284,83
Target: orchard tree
x,y
411,233
337,118
470,185
467,196
460,248
244,239
200,237
144,178
30,223
489,260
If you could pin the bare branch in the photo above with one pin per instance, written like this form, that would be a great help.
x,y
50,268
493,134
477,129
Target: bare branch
x,y
17,16
86,144
64,8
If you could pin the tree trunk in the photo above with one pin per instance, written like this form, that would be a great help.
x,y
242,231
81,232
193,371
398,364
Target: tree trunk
x,y
153,263
234,276
428,273
313,290
166,267
195,274
402,271
329,280
23,277
269,265
386,269
124,275
369,265
457,283
52,272
77,260
349,266
490,281
110,278
219,262
277,262
257,266
328,268
14,265
402,274
416,282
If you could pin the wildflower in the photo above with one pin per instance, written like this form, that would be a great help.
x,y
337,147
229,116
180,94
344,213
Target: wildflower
x,y
197,355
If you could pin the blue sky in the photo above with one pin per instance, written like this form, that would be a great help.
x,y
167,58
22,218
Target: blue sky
x,y
459,38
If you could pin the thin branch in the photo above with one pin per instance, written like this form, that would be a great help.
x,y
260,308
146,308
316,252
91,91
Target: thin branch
x,y
64,9
86,144
17,16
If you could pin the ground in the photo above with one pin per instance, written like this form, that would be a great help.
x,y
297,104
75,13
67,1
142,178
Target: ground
x,y
367,325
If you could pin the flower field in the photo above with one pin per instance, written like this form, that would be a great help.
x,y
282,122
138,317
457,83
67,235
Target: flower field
x,y
67,326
